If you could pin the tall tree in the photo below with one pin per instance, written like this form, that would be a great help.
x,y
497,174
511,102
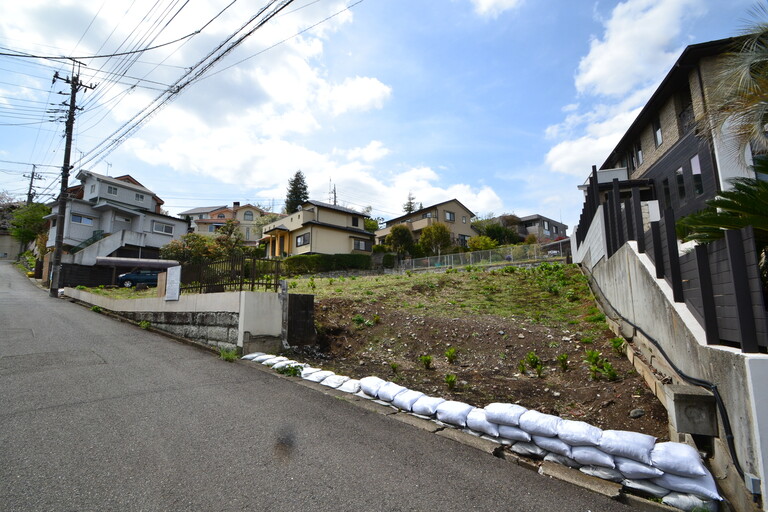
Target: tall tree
x,y
435,238
740,101
297,193
400,239
27,222
229,238
410,204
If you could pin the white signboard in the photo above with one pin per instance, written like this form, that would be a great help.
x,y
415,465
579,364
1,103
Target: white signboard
x,y
173,283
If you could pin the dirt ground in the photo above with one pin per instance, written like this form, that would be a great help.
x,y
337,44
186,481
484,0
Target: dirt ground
x,y
489,350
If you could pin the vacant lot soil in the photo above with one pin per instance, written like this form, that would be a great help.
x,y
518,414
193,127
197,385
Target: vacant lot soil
x,y
510,329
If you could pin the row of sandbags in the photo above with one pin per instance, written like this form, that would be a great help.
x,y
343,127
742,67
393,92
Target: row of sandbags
x,y
671,471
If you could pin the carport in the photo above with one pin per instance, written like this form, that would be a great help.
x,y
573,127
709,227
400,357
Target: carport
x,y
132,263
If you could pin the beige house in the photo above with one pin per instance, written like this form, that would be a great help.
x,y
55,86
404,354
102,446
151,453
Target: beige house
x,y
452,213
318,228
207,219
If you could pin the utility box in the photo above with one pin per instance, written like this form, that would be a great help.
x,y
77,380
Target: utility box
x,y
691,410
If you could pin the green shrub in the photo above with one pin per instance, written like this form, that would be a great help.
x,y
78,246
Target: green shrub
x,y
563,360
426,361
450,380
228,354
394,367
619,345
96,309
292,370
144,324
80,287
314,263
388,261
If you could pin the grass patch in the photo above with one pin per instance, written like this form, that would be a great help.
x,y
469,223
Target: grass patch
x,y
228,354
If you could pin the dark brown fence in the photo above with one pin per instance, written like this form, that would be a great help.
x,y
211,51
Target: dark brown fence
x,y
719,282
235,274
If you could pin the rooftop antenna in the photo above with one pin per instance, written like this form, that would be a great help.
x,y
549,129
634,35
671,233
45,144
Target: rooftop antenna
x,y
109,165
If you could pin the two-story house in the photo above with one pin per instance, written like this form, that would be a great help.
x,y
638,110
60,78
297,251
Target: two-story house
x,y
665,148
318,228
452,213
544,228
207,219
117,217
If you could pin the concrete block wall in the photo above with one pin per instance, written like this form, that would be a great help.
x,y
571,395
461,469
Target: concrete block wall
x,y
217,329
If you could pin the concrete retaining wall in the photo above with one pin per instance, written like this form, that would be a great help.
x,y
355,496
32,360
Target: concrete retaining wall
x,y
628,284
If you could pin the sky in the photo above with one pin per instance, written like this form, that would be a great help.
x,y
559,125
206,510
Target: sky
x,y
504,105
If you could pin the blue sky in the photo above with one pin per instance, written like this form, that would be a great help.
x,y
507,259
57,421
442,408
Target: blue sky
x,y
502,104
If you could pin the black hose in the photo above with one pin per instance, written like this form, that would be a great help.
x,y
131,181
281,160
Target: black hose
x,y
691,380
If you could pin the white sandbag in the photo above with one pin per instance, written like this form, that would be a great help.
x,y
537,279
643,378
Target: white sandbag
x,y
250,356
540,424
454,413
631,469
513,433
309,370
552,444
602,472
334,381
632,445
592,456
262,358
389,390
703,486
370,385
528,450
273,361
283,364
562,460
504,414
427,405
689,502
350,386
477,420
678,458
645,487
406,399
319,376
579,433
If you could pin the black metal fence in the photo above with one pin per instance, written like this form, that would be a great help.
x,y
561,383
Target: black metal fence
x,y
719,282
238,273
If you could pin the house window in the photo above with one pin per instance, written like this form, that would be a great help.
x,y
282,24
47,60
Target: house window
x,y
93,189
362,245
220,216
667,195
302,240
464,240
80,219
698,184
450,216
248,216
200,216
111,190
680,184
546,225
140,198
554,229
427,215
161,227
637,154
657,138
247,233
354,221
463,219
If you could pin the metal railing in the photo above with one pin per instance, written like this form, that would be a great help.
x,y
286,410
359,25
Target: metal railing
x,y
519,254
97,235
238,273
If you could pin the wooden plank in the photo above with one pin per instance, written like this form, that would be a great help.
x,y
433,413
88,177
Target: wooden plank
x,y
707,295
673,256
746,317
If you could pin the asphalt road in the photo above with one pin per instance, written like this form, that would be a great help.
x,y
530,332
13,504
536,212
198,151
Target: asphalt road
x,y
100,415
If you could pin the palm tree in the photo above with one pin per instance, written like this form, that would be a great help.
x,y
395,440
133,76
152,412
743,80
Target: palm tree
x,y
740,101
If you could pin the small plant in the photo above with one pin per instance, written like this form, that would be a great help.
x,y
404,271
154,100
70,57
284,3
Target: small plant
x,y
101,287
534,363
426,361
228,354
521,367
563,360
144,324
376,319
96,309
330,281
408,273
312,285
503,356
619,345
80,287
587,340
608,371
450,380
292,370
394,366
592,356
554,344
451,354
358,319
293,284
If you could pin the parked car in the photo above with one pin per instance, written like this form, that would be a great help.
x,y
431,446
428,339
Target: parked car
x,y
149,277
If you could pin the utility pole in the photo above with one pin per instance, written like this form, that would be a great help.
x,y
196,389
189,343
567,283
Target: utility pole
x,y
75,85
32,179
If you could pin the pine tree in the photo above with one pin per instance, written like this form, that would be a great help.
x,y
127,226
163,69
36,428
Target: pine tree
x,y
410,204
297,193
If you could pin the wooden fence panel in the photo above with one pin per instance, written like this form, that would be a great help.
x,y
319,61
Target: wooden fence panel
x,y
722,287
755,286
689,273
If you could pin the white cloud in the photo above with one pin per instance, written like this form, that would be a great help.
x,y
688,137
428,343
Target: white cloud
x,y
358,93
492,8
636,46
375,150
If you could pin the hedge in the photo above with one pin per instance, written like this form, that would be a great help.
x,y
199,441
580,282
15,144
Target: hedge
x,y
314,263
